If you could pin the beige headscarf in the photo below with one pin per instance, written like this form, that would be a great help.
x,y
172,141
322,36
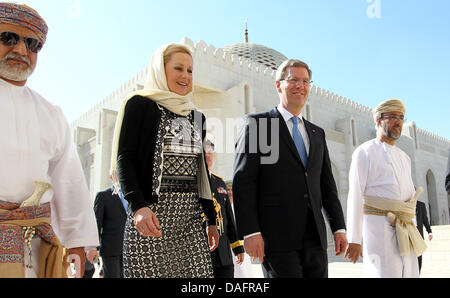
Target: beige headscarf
x,y
156,89
390,105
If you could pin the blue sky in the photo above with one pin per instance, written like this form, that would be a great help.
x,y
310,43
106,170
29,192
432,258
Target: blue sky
x,y
365,50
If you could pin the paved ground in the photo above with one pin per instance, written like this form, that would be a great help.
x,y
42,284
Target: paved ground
x,y
435,261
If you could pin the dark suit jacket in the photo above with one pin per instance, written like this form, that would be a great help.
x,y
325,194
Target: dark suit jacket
x,y
447,178
273,198
422,218
229,239
111,218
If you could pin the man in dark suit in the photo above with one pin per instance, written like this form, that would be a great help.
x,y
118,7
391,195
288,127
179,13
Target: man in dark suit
x,y
222,259
447,178
110,210
422,220
282,181
89,270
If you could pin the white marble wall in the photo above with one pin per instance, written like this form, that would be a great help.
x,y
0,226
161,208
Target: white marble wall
x,y
227,88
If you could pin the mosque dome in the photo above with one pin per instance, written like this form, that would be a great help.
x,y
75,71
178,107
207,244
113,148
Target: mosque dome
x,y
256,53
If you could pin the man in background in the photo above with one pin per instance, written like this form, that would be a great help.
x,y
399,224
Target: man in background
x,y
422,220
222,258
447,178
111,213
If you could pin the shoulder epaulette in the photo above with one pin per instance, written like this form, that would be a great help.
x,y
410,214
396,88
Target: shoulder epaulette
x,y
216,175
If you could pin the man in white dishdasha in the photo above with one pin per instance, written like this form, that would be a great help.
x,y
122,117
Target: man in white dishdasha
x,y
382,201
45,212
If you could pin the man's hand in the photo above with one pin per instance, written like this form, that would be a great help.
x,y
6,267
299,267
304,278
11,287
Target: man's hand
x,y
146,223
77,256
91,255
254,247
340,243
240,258
213,237
353,253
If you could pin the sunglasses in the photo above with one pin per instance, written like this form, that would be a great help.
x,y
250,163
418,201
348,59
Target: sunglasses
x,y
11,39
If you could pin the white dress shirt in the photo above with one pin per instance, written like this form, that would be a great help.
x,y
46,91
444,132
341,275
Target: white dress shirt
x,y
287,116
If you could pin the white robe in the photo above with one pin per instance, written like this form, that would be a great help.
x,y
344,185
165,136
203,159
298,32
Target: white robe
x,y
379,170
36,144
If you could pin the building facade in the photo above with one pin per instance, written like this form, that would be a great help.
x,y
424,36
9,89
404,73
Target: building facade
x,y
238,79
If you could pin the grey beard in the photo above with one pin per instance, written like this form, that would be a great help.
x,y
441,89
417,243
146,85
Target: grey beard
x,y
14,73
390,135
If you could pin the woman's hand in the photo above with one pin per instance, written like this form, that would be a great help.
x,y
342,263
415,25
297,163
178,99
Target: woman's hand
x,y
146,223
213,237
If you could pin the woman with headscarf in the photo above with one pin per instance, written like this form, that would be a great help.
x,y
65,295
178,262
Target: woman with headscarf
x,y
158,164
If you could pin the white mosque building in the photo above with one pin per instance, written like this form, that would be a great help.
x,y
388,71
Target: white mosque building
x,y
239,79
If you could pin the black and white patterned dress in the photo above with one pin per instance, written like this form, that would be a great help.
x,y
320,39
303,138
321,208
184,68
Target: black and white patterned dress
x,y
183,250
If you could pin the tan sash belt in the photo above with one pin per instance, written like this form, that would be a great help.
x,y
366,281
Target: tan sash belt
x,y
400,215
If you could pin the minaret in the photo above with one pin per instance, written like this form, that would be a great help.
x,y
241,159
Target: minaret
x,y
246,31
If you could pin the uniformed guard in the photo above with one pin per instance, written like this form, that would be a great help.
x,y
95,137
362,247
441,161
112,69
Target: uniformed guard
x,y
221,258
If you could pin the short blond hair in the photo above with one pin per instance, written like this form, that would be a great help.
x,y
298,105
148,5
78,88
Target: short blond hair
x,y
282,69
175,48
